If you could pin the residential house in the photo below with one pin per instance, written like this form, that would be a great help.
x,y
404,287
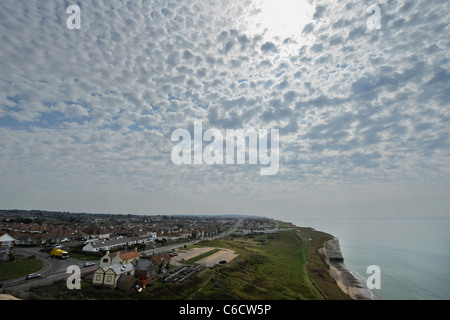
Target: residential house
x,y
35,228
163,260
96,233
109,276
126,282
209,231
53,237
105,245
24,238
124,257
197,234
6,245
125,269
36,239
160,264
146,268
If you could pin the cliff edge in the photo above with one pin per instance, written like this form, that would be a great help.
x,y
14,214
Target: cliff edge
x,y
348,283
333,251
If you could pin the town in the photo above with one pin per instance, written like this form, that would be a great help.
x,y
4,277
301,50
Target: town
x,y
41,227
125,252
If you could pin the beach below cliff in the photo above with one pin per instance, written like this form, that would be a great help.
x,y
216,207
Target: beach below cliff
x,y
349,283
353,286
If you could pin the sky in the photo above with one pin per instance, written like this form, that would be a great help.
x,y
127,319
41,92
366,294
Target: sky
x,y
362,109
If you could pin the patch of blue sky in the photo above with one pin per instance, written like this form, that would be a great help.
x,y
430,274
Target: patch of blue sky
x,y
154,107
113,126
14,99
172,98
11,123
106,92
54,119
47,120
136,127
201,106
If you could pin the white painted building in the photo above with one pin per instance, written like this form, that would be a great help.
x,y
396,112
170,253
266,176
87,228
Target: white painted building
x,y
6,245
105,245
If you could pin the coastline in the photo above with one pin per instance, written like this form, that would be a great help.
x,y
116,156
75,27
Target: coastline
x,y
350,284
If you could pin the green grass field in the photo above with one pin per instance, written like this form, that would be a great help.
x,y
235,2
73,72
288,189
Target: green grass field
x,y
202,256
270,266
19,268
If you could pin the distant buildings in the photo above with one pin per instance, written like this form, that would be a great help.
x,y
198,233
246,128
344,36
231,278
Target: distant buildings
x,y
106,245
95,233
252,231
40,227
207,231
252,226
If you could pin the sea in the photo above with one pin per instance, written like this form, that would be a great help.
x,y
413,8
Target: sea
x,y
413,254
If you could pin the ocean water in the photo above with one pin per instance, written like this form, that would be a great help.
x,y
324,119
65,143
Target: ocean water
x,y
413,254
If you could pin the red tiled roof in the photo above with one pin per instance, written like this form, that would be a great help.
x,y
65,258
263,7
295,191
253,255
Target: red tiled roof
x,y
126,255
162,258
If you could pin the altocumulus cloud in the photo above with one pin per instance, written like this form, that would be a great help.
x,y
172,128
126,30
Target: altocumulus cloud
x,y
86,115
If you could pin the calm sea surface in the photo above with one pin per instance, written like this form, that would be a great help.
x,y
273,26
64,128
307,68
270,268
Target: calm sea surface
x,y
413,254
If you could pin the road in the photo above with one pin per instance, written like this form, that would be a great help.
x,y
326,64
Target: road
x,y
53,269
173,247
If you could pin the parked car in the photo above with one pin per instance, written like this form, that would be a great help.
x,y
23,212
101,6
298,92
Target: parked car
x,y
33,276
88,264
